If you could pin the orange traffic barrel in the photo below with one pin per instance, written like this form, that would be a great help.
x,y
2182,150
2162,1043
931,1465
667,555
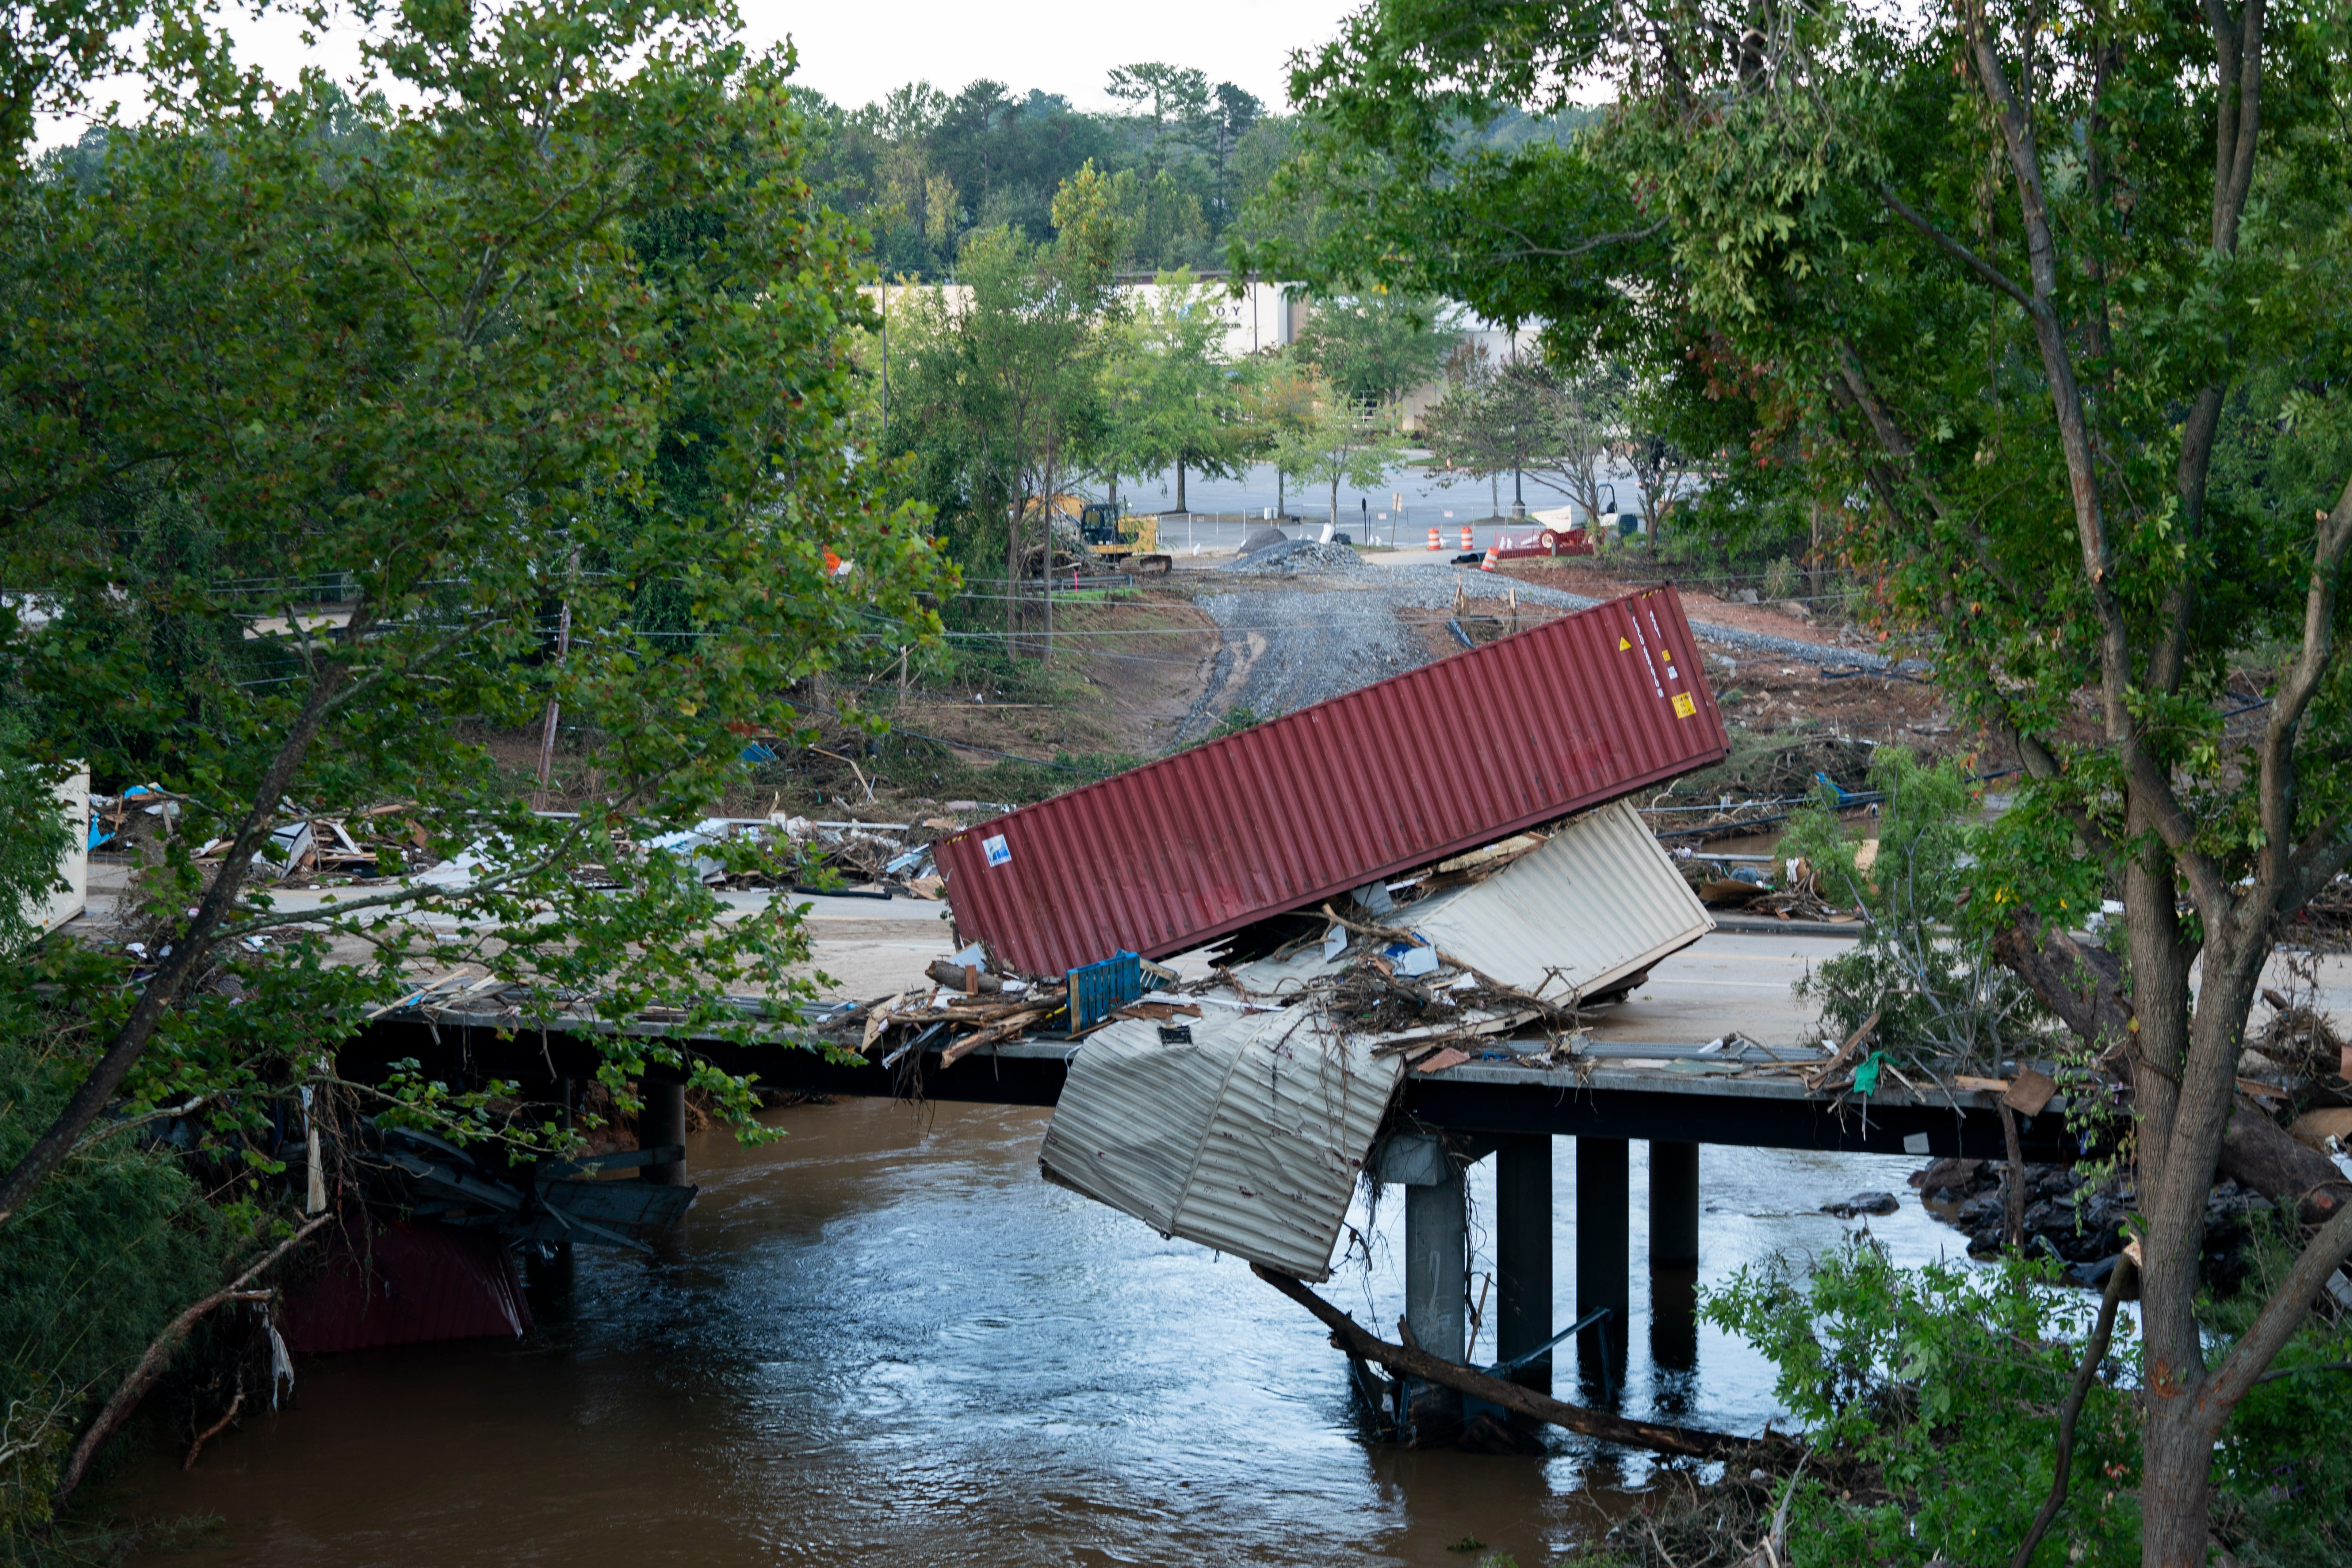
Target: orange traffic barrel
x,y
1466,536
1433,541
1488,563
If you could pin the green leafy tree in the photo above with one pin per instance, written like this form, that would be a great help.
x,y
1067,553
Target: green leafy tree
x,y
1522,418
1172,400
1375,346
999,400
2063,292
1324,437
314,411
1171,104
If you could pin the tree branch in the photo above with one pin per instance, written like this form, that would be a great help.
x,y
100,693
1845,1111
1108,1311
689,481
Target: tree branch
x,y
2284,1313
2096,1352
1354,1338
1985,270
151,1366
130,1039
2276,789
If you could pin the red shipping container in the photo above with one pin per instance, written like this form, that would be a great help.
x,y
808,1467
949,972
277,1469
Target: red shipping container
x,y
1410,770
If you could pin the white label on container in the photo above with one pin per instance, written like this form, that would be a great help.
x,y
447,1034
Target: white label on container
x,y
994,847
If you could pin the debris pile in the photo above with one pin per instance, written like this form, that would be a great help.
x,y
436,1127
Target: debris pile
x,y
1787,890
1237,1109
2078,1218
859,860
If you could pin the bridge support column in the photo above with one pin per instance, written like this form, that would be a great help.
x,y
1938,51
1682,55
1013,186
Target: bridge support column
x,y
1674,1256
1603,1247
1674,1205
662,1123
1436,1277
1523,1253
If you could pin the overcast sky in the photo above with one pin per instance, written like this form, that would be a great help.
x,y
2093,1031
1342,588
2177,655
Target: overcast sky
x,y
856,53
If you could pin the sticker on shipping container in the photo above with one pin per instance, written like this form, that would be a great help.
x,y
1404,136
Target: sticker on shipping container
x,y
998,853
1685,705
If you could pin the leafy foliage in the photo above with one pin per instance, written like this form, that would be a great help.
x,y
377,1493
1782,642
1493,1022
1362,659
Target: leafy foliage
x,y
1937,1390
318,412
1920,969
119,1241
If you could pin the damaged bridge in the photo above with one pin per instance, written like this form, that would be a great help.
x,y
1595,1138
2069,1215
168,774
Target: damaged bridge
x,y
1405,909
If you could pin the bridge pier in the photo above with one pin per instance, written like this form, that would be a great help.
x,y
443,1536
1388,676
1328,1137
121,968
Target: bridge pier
x,y
1436,1274
1674,1204
663,1121
1603,1254
1674,1255
1523,1253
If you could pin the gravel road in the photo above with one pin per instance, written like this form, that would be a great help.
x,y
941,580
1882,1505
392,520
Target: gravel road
x,y
1300,630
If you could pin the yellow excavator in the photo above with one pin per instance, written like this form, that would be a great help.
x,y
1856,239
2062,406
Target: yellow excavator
x,y
1113,537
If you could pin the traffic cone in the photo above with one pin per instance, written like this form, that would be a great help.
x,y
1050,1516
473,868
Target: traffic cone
x,y
1488,563
1466,536
1433,541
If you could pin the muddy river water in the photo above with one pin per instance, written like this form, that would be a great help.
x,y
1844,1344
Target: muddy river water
x,y
884,1340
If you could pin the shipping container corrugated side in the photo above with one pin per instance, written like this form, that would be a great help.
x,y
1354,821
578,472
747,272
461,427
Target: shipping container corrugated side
x,y
1391,776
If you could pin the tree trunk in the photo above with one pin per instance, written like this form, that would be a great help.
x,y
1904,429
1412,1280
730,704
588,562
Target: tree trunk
x,y
1181,506
1348,1335
1335,501
2256,1152
2176,1481
1012,577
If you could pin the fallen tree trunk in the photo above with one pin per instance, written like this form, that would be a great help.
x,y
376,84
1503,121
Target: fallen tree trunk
x,y
2084,985
152,1366
2257,1152
968,978
1348,1335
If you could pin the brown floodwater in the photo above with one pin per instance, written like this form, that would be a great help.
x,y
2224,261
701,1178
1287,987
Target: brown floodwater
x,y
884,1340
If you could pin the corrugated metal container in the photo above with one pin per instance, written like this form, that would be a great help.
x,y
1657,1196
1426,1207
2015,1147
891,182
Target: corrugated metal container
x,y
1593,907
1406,771
406,1284
1247,1139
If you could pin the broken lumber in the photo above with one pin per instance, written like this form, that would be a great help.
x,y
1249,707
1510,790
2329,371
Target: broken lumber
x,y
1348,1335
1004,1029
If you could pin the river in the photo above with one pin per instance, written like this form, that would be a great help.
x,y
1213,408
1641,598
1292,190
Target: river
x,y
883,1339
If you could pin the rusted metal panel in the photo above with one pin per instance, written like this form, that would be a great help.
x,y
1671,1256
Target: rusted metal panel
x,y
1393,776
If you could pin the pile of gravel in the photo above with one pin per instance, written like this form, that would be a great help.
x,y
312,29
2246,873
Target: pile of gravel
x,y
1296,555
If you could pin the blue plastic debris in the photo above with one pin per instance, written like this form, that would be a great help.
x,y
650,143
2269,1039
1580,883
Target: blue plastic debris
x,y
1098,990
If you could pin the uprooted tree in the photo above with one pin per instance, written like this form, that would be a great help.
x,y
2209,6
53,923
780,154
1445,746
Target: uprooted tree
x,y
2062,290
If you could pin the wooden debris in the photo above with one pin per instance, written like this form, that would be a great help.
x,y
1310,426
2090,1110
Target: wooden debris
x,y
1845,1055
1004,1029
2028,1093
1350,1336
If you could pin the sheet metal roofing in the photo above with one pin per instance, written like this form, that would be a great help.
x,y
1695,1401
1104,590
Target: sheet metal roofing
x,y
1453,755
1248,1137
1595,906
